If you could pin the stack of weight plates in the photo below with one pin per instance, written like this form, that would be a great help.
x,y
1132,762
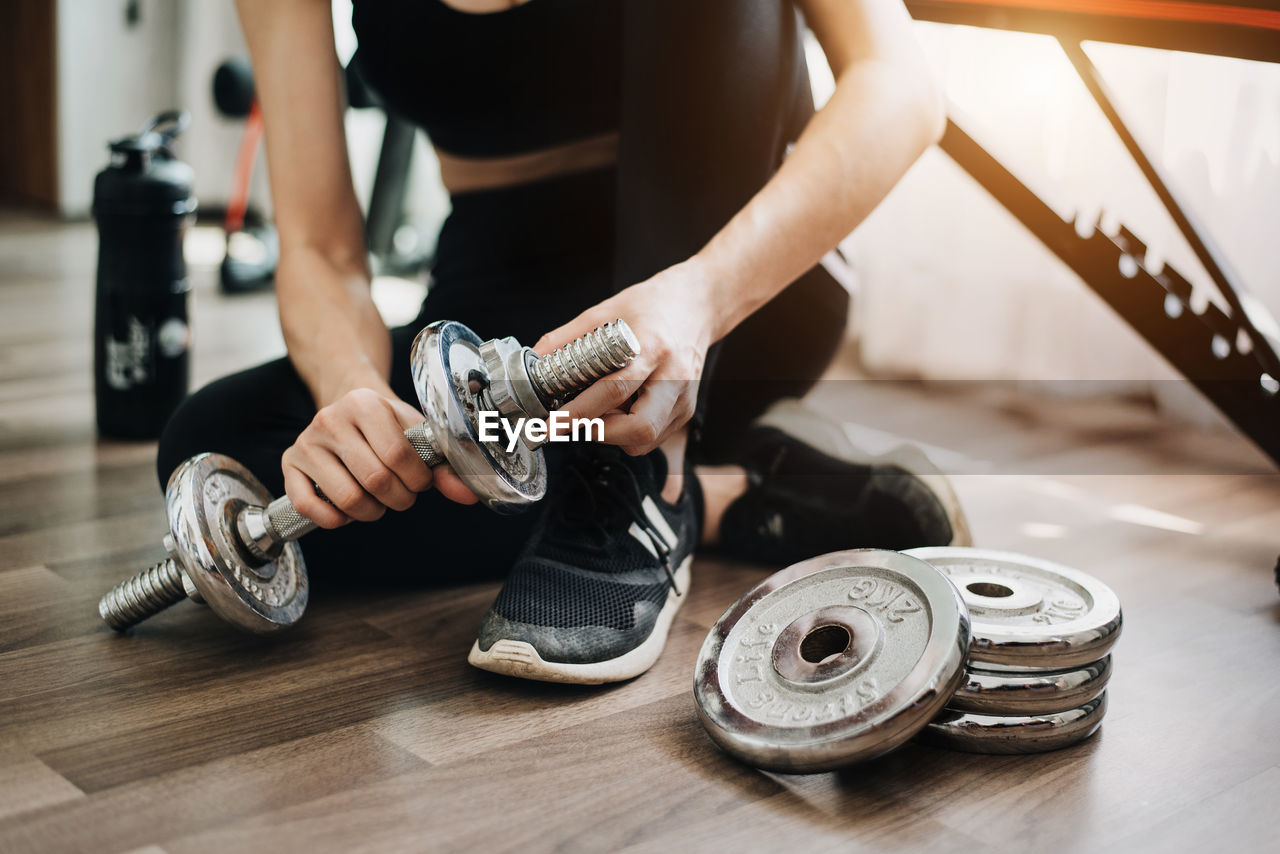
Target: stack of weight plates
x,y
1039,659
847,656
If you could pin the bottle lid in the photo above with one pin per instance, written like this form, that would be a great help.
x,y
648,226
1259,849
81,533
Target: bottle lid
x,y
144,176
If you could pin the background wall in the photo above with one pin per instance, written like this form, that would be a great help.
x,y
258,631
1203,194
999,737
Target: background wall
x,y
122,61
116,67
952,287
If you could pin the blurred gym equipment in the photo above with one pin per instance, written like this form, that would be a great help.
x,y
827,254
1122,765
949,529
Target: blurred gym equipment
x,y
253,249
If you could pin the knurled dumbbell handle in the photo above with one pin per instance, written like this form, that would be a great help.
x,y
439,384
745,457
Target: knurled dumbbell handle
x,y
287,524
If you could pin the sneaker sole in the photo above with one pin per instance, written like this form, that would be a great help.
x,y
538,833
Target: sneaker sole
x,y
826,436
520,658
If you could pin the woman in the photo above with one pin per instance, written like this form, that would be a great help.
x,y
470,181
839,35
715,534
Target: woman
x,y
605,158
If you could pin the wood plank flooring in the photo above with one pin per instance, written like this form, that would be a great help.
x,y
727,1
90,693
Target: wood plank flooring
x,y
363,729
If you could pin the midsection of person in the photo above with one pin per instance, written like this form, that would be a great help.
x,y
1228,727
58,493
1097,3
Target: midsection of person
x,y
521,103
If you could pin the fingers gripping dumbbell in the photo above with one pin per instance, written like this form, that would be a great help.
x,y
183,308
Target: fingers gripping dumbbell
x,y
231,547
264,531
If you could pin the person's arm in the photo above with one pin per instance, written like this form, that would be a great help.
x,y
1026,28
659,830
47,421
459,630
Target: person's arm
x,y
886,110
336,339
884,113
354,449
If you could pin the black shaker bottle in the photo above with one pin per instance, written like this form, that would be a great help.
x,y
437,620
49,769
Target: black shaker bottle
x,y
142,203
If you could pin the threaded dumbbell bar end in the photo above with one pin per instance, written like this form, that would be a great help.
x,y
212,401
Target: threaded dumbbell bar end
x,y
145,595
569,369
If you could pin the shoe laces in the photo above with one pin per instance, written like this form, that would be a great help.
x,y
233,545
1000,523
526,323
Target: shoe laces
x,y
600,490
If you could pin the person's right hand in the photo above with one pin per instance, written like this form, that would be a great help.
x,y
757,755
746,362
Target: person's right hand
x,y
356,452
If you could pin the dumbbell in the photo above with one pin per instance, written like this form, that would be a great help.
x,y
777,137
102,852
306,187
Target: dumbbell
x,y
233,548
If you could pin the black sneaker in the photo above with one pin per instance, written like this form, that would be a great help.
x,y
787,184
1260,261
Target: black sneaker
x,y
811,492
592,596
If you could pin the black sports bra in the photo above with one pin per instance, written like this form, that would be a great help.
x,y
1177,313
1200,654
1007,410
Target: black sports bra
x,y
540,74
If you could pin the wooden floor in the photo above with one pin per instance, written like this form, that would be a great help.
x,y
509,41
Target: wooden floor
x,y
364,728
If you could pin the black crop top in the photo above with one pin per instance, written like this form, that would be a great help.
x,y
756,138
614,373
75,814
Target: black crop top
x,y
540,74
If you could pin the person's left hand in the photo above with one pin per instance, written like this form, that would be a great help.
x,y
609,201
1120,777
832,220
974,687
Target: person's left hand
x,y
671,316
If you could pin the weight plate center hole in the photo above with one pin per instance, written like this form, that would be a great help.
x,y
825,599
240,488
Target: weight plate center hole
x,y
1006,597
989,589
825,643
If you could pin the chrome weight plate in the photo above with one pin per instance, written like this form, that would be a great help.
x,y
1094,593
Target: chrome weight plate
x,y
832,661
445,361
1029,612
1021,734
1030,692
202,499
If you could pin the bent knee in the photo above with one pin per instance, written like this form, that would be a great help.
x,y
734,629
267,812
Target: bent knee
x,y
184,434
252,417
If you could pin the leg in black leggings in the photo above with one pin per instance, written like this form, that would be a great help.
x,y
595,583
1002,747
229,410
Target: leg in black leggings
x,y
778,352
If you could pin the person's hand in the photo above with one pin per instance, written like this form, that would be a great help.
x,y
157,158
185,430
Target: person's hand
x,y
671,316
355,451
